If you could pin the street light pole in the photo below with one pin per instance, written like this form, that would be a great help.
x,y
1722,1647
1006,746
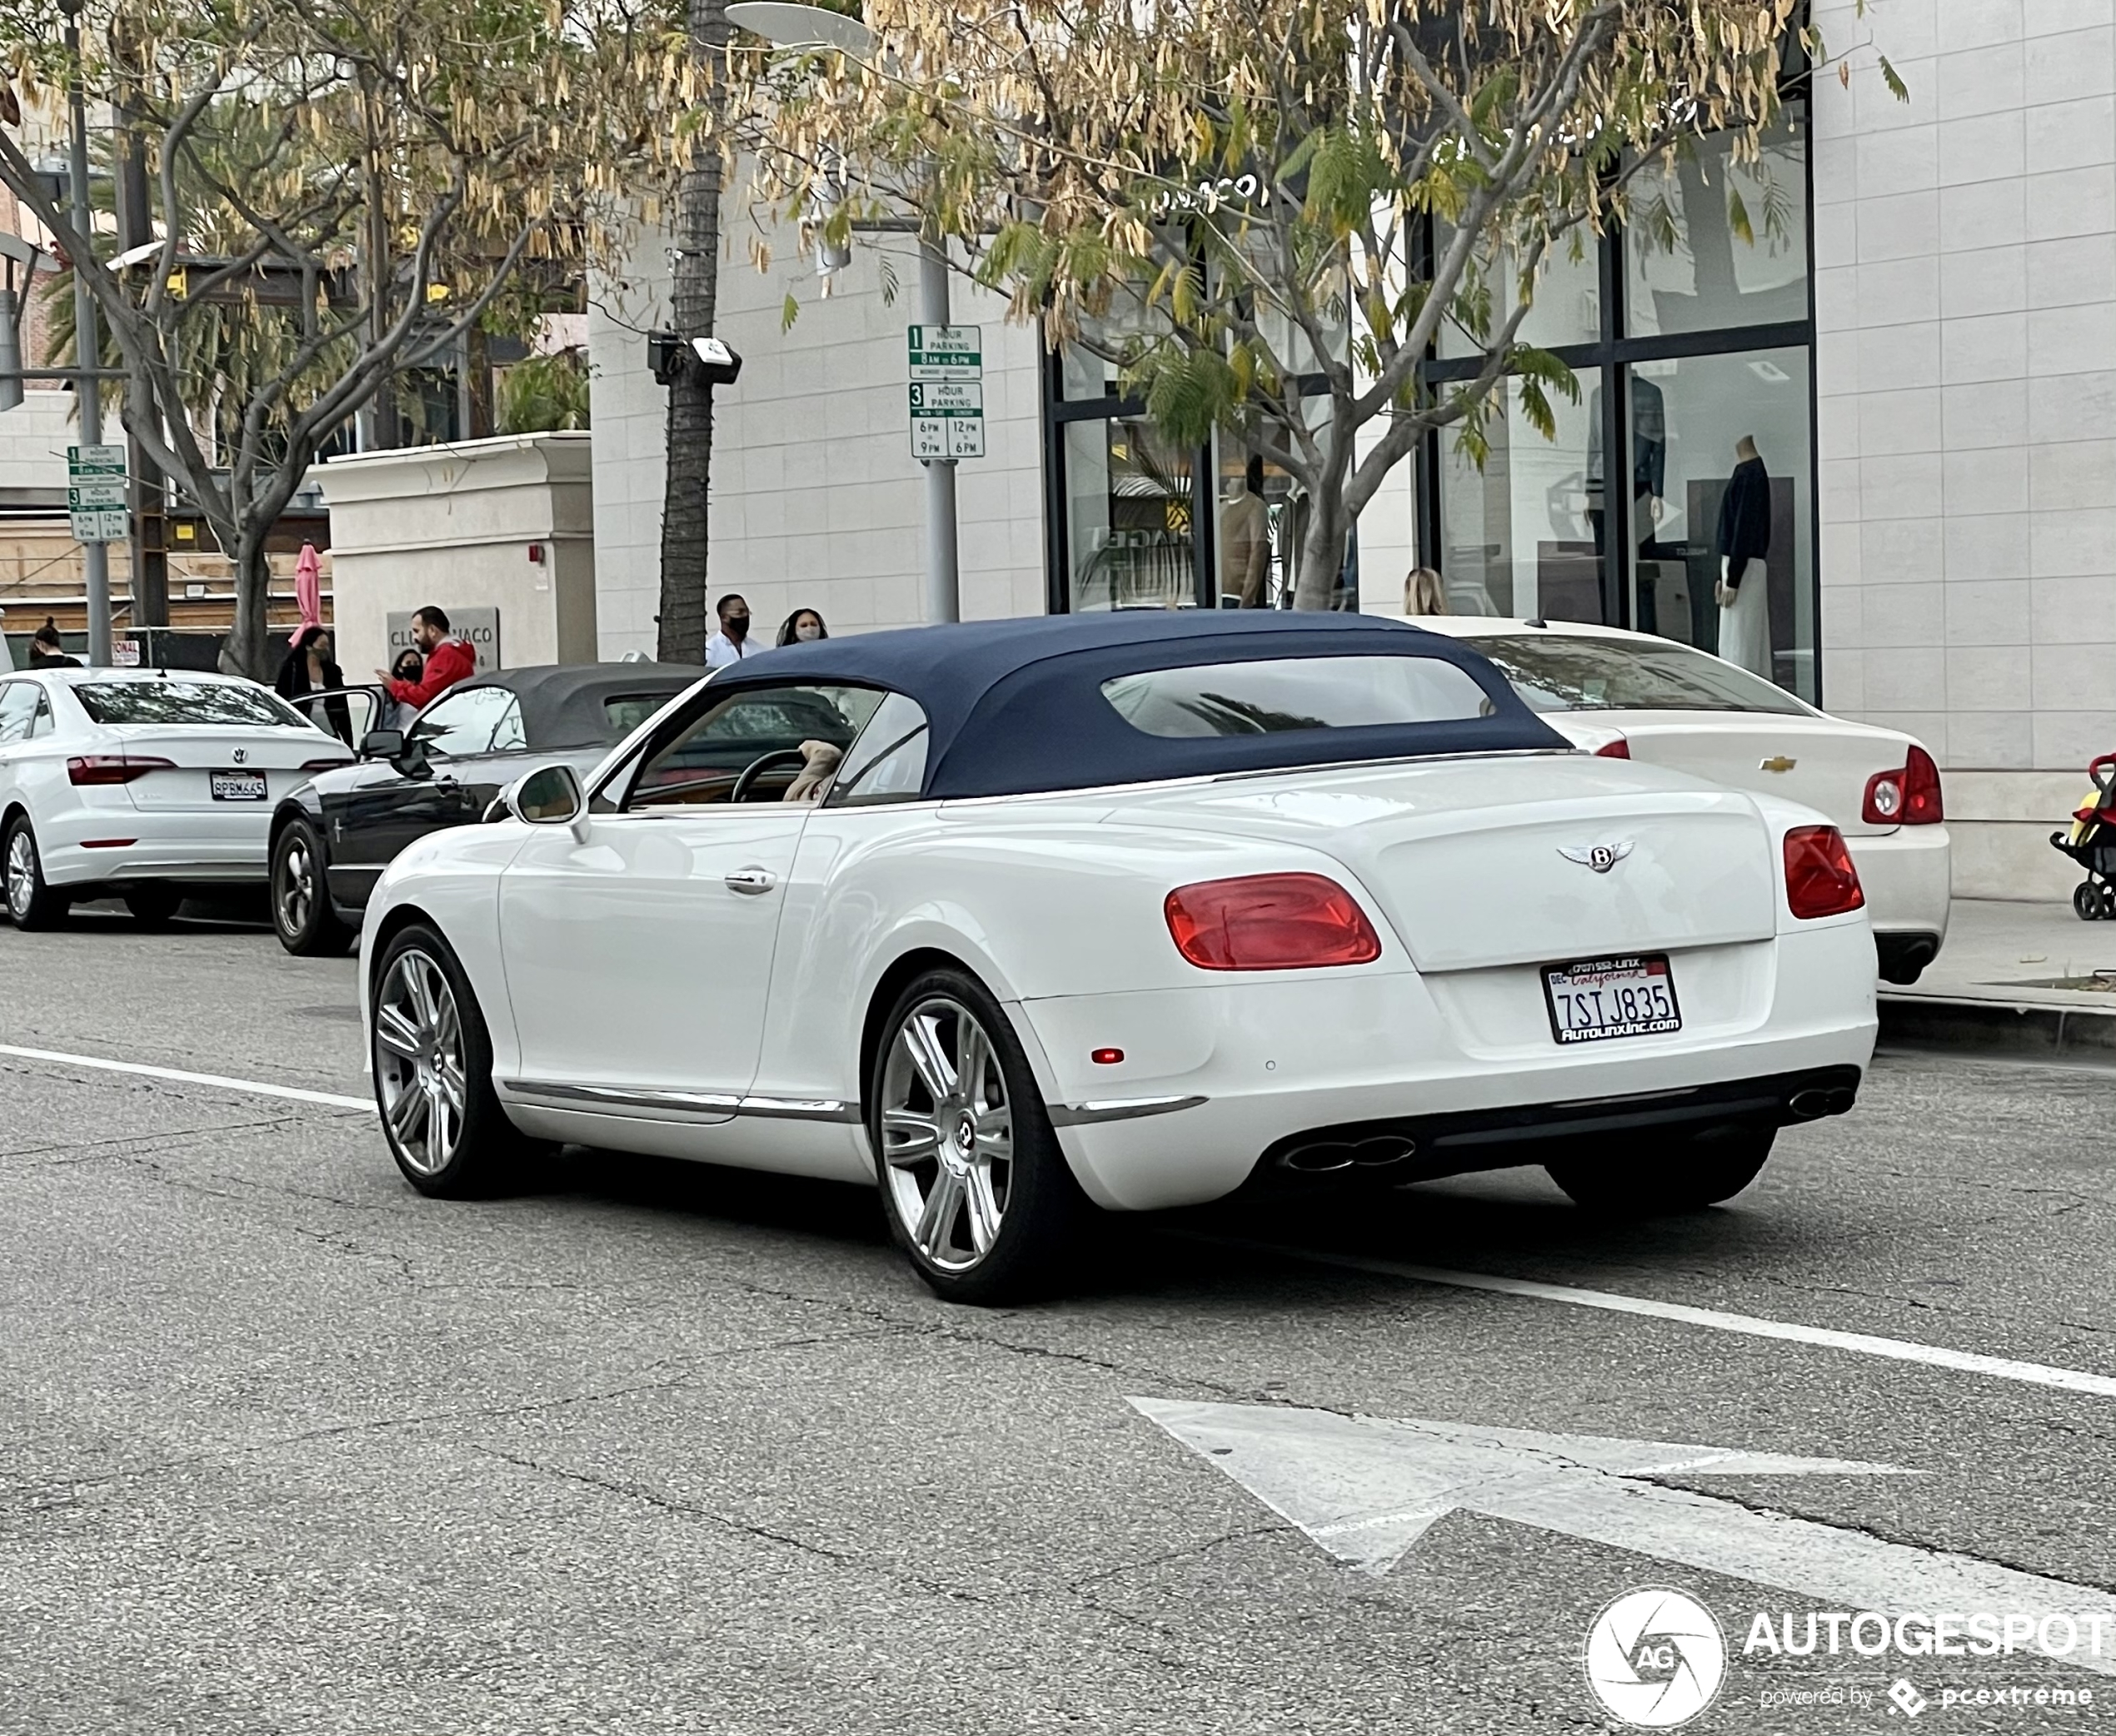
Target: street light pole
x,y
792,24
88,347
943,570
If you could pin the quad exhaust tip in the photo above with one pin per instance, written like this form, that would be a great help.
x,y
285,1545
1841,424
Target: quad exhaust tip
x,y
1326,1157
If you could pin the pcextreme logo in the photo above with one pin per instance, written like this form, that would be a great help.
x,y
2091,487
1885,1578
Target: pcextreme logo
x,y
1655,1658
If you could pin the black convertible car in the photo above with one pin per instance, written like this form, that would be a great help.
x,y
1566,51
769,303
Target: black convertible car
x,y
332,836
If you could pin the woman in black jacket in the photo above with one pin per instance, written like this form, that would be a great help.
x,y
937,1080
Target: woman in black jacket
x,y
309,669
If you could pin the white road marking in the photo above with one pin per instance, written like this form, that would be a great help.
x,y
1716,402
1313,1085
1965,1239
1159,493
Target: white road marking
x,y
1366,1488
249,1087
1863,1344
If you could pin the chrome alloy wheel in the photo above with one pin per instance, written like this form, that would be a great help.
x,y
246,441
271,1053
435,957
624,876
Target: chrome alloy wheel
x,y
947,1134
419,1062
296,890
22,873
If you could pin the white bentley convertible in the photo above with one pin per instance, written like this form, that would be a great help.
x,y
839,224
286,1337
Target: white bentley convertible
x,y
1027,917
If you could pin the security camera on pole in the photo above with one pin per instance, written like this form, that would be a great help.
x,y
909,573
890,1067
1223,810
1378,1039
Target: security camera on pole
x,y
962,421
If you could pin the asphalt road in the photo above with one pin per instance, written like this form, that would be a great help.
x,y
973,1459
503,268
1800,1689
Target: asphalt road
x,y
645,1448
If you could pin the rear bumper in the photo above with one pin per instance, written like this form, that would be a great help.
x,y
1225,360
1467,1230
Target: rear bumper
x,y
1907,878
78,849
1413,1148
1236,1069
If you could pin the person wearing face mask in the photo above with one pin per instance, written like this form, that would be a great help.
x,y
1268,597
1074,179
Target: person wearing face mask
x,y
801,627
731,643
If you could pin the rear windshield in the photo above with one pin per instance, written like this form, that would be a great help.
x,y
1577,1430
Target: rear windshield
x,y
625,712
184,702
1555,672
1295,693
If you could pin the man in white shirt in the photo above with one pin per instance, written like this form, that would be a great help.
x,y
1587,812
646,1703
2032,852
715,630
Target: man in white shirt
x,y
731,643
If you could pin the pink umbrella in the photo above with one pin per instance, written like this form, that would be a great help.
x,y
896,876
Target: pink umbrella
x,y
308,592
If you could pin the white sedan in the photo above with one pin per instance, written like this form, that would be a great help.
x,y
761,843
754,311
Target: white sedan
x,y
140,783
1120,911
1636,696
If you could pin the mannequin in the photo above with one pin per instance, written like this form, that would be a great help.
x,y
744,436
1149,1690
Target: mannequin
x,y
1245,541
1744,590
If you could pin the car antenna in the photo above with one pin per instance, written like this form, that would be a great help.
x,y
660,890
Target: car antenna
x,y
1535,620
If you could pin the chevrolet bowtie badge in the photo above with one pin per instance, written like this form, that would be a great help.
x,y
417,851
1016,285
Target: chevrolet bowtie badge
x,y
1778,762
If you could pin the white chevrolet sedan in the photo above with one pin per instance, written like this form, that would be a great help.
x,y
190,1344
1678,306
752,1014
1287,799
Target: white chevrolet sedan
x,y
1634,695
1120,911
140,783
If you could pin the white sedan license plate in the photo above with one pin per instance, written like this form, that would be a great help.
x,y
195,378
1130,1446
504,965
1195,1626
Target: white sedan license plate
x,y
237,786
1592,999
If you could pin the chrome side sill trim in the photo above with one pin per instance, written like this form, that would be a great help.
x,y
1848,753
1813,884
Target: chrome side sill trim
x,y
1085,1115
800,1108
717,1105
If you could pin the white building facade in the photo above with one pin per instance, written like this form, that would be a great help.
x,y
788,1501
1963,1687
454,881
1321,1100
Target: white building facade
x,y
1917,335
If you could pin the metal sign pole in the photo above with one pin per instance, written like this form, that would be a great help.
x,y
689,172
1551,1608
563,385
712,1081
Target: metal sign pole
x,y
943,578
87,347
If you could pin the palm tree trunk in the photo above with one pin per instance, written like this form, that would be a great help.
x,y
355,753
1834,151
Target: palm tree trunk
x,y
685,618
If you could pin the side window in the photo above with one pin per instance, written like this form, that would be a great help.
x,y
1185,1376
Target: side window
x,y
508,736
705,757
18,704
888,763
462,722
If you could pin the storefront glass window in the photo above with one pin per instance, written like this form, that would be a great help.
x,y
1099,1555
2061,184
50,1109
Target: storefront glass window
x,y
1129,511
1700,426
1523,535
1713,242
1567,308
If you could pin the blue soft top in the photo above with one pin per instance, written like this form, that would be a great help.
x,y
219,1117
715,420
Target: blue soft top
x,y
1016,706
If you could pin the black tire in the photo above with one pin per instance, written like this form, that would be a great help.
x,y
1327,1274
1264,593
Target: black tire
x,y
31,903
302,915
1041,1213
481,1149
2086,901
153,903
1651,1176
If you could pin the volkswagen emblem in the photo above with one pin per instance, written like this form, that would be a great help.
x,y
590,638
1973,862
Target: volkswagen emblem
x,y
1599,857
242,754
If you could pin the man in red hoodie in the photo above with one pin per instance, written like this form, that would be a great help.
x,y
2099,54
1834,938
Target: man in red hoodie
x,y
448,661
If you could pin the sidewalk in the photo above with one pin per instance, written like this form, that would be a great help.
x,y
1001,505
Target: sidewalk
x,y
2017,977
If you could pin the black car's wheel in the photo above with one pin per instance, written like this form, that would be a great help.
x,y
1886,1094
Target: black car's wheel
x,y
1662,1174
31,903
301,902
433,1072
974,1187
152,903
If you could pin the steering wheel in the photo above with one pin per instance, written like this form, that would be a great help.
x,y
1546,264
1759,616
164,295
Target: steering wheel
x,y
761,764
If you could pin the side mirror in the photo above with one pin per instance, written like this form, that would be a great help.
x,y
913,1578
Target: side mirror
x,y
549,796
382,744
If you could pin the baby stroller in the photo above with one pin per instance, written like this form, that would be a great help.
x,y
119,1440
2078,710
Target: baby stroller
x,y
2092,844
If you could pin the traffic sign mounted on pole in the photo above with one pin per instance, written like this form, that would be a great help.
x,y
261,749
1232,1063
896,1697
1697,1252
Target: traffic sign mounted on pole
x,y
96,493
947,393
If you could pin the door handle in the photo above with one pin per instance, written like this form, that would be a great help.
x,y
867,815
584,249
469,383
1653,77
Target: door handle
x,y
750,881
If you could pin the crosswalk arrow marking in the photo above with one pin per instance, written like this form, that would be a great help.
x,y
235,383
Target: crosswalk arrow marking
x,y
1366,1488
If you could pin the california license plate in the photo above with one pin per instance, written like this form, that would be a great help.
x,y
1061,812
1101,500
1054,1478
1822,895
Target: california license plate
x,y
1593,1000
237,786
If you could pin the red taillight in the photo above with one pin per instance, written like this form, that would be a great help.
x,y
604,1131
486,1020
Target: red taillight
x,y
1106,1057
1819,878
1907,797
1269,922
1921,803
1619,749
112,768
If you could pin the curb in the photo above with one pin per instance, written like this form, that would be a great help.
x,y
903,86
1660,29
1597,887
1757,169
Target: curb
x,y
2014,1028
